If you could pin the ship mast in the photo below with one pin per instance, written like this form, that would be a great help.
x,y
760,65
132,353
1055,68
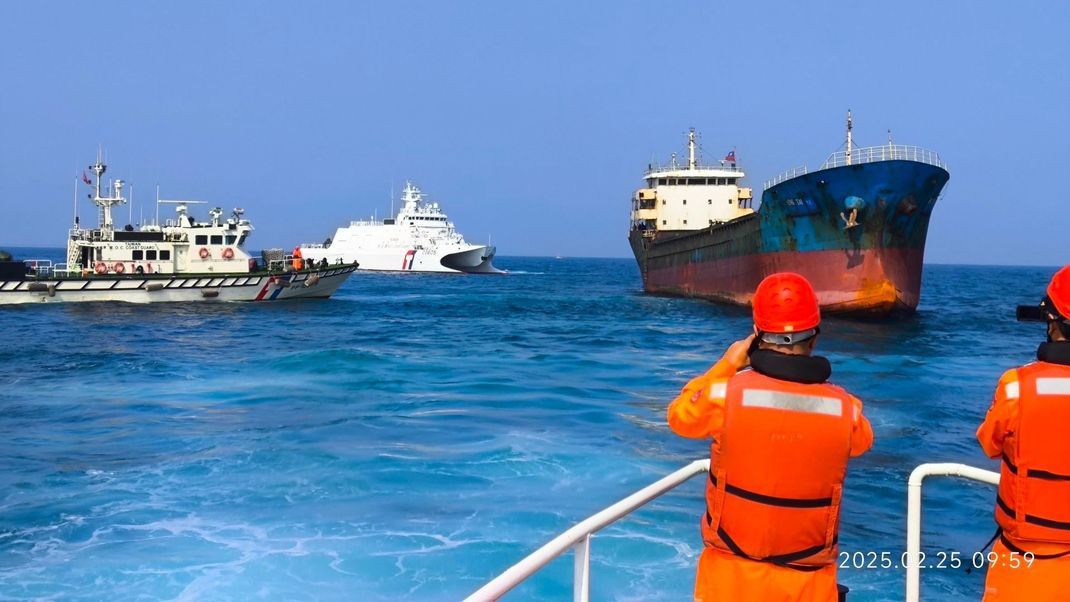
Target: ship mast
x,y
691,149
848,155
106,202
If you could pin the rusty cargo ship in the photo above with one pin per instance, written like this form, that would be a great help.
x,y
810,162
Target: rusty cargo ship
x,y
855,227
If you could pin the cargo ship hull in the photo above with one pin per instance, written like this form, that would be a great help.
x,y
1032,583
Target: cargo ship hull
x,y
873,267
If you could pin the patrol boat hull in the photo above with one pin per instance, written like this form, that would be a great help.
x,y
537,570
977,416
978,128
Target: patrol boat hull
x,y
185,288
871,268
472,259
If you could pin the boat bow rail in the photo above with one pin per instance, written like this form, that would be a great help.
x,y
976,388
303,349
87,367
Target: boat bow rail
x,y
917,477
579,536
859,156
885,152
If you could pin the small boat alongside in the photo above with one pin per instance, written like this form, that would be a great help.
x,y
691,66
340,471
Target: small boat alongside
x,y
181,260
420,238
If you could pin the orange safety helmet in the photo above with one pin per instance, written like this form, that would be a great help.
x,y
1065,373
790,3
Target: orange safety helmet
x,y
1059,292
785,302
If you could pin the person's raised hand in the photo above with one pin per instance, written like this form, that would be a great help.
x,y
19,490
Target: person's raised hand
x,y
738,352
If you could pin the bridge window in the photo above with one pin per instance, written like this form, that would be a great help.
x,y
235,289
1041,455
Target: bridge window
x,y
685,201
231,238
150,255
662,181
202,239
138,255
165,255
217,239
664,222
685,222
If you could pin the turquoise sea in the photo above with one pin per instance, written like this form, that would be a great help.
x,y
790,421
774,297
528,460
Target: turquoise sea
x,y
416,435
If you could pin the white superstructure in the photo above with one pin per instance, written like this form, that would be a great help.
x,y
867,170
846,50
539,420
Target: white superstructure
x,y
692,196
420,238
179,260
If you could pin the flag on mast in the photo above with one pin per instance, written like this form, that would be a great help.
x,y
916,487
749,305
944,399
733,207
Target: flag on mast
x,y
85,178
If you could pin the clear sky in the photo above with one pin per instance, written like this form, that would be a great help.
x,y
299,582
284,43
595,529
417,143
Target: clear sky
x,y
530,121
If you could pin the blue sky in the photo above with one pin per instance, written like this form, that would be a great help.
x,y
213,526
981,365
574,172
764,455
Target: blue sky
x,y
530,121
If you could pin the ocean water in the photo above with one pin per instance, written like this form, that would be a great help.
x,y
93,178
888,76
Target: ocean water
x,y
416,435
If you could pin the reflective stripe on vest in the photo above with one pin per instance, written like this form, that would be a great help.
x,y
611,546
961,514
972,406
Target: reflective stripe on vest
x,y
1033,502
778,400
1053,386
1012,390
780,460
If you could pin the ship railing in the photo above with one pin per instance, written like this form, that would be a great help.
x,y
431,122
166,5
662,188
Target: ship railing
x,y
578,538
657,167
41,267
887,152
914,483
794,172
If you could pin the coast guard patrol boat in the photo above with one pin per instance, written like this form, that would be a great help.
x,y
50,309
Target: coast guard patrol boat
x,y
419,239
181,260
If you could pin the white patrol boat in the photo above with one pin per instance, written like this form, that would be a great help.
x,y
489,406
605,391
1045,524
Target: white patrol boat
x,y
180,260
419,239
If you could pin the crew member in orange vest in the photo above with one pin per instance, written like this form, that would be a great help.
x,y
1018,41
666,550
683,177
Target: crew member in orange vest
x,y
298,263
1027,426
782,436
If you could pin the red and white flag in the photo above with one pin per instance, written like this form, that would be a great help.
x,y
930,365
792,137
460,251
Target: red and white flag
x,y
85,179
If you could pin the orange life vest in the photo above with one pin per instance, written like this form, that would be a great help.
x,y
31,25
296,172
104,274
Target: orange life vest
x,y
776,475
1034,486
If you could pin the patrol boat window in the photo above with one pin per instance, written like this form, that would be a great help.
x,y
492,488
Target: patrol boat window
x,y
138,255
201,239
150,254
231,238
217,239
165,255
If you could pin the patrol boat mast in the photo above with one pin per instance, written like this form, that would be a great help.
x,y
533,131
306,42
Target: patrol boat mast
x,y
107,227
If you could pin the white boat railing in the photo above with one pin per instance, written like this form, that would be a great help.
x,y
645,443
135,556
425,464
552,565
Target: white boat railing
x,y
859,156
913,586
887,152
683,170
579,538
787,175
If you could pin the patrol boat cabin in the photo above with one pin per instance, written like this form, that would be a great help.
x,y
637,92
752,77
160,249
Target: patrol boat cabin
x,y
180,245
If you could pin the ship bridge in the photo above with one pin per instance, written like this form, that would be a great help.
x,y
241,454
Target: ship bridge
x,y
691,196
